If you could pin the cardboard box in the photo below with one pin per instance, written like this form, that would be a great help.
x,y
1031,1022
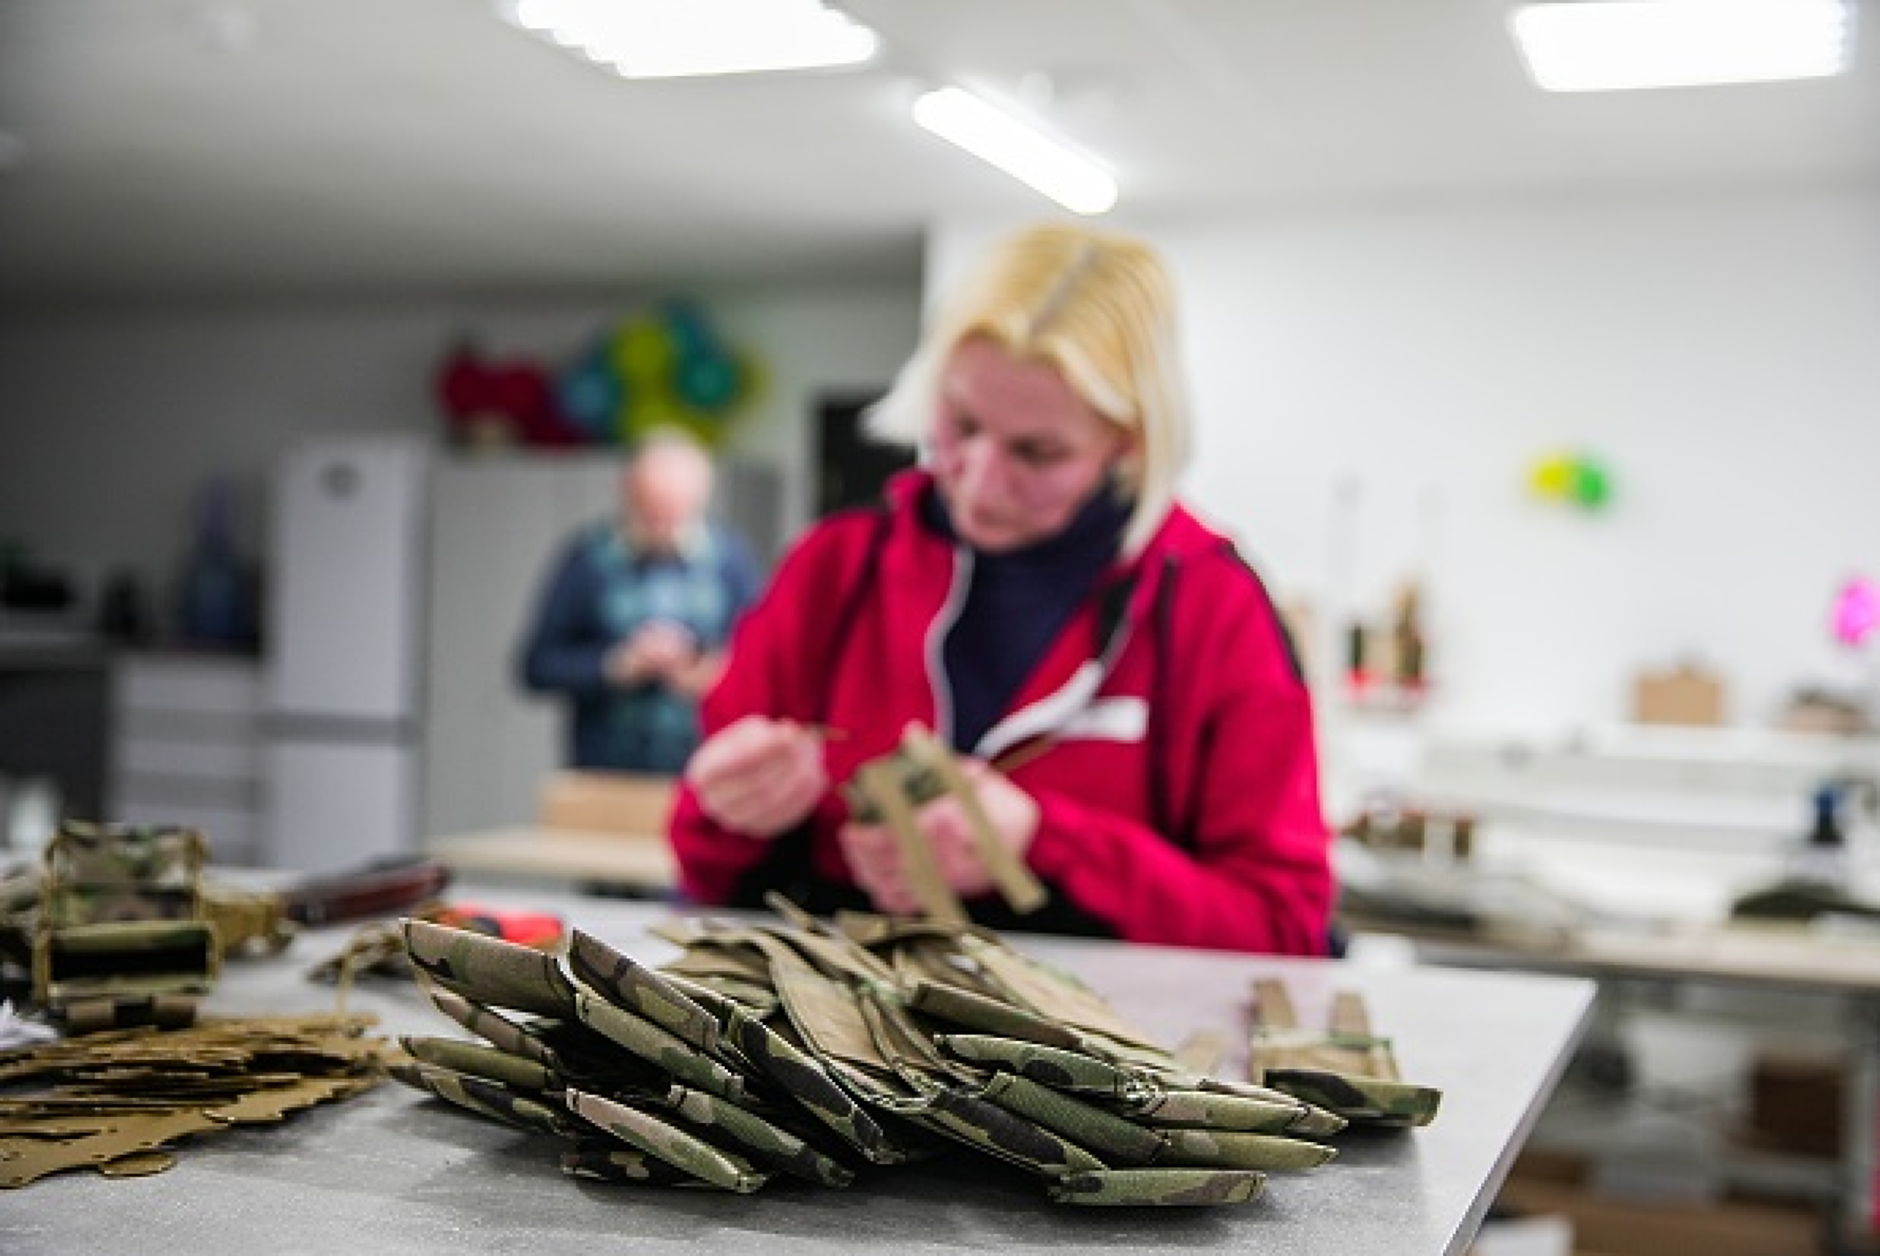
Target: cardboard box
x,y
1685,694
1795,1104
1549,1183
1627,1228
608,802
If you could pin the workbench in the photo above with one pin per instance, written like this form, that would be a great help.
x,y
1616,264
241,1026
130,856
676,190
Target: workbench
x,y
399,1171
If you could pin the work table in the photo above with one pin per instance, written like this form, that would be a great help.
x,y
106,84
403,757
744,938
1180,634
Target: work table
x,y
399,1171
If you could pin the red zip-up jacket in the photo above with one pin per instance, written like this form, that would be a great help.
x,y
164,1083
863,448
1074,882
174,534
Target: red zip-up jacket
x,y
1178,798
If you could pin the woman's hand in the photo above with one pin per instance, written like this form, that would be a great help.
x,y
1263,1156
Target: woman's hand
x,y
759,776
875,857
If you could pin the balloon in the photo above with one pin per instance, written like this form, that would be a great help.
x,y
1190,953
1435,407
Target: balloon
x,y
643,351
1552,477
690,330
708,382
1856,611
463,383
521,391
589,395
1592,487
751,378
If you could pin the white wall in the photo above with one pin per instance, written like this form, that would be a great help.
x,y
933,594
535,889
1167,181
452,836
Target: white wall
x,y
112,419
1721,353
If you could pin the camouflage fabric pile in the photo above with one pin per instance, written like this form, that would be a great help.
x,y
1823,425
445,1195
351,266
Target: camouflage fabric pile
x,y
818,1050
117,1100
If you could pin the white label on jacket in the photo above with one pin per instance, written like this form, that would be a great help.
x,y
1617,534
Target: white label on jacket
x,y
1073,711
1109,719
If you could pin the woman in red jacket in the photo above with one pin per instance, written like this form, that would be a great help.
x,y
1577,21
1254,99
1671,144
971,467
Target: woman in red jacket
x,y
1033,592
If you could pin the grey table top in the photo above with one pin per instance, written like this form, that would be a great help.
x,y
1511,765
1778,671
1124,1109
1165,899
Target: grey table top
x,y
396,1171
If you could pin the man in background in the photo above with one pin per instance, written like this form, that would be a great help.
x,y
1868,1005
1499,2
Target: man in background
x,y
632,622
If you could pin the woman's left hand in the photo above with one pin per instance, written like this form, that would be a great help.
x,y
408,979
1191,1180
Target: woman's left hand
x,y
875,857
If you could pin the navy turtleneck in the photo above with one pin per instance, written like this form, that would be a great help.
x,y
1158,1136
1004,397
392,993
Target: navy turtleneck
x,y
1017,604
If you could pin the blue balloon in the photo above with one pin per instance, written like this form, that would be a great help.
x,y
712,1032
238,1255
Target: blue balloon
x,y
708,383
589,395
690,328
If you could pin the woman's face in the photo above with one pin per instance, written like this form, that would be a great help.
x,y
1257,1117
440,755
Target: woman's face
x,y
1015,452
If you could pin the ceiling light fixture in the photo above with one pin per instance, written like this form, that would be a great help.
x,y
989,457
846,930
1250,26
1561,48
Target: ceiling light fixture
x,y
680,38
1614,45
1027,154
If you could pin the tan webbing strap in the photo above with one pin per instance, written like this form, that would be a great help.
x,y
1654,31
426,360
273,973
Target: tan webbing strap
x,y
1347,1045
881,784
1349,1015
1273,1004
1022,891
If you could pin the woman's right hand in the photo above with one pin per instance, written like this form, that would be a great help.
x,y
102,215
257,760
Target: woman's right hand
x,y
758,775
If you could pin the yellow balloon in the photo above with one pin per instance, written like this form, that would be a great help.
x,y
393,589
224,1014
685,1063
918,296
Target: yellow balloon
x,y
1552,477
643,352
753,379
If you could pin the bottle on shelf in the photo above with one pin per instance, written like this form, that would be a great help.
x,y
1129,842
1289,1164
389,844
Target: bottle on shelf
x,y
215,602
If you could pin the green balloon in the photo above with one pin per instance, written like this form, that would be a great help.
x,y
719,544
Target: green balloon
x,y
1592,487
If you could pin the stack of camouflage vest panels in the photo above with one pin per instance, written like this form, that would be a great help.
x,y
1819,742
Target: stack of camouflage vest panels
x,y
815,1049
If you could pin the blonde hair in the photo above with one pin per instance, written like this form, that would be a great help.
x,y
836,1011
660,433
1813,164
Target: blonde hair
x,y
1100,308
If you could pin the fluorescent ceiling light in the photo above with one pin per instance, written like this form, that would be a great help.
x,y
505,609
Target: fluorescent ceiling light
x,y
1028,155
675,38
1610,45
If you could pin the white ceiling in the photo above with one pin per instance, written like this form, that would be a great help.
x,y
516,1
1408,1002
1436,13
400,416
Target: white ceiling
x,y
170,148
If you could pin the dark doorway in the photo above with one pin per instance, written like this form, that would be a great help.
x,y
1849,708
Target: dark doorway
x,y
851,468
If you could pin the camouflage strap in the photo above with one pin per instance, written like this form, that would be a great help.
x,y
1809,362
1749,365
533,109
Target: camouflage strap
x,y
486,1098
1165,1188
127,1011
1361,1100
1345,1069
666,1141
481,1060
605,1160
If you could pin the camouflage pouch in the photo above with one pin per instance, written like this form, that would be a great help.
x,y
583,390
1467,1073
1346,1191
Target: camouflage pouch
x,y
1045,1131
480,1060
758,1138
489,970
711,1128
121,936
666,1141
862,1039
893,1039
605,1160
714,1023
486,1097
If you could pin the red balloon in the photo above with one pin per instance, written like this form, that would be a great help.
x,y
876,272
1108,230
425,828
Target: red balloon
x,y
463,384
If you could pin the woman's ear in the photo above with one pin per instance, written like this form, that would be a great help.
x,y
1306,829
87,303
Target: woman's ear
x,y
1125,470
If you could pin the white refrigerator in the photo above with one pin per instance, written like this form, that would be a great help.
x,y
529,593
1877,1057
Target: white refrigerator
x,y
345,587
